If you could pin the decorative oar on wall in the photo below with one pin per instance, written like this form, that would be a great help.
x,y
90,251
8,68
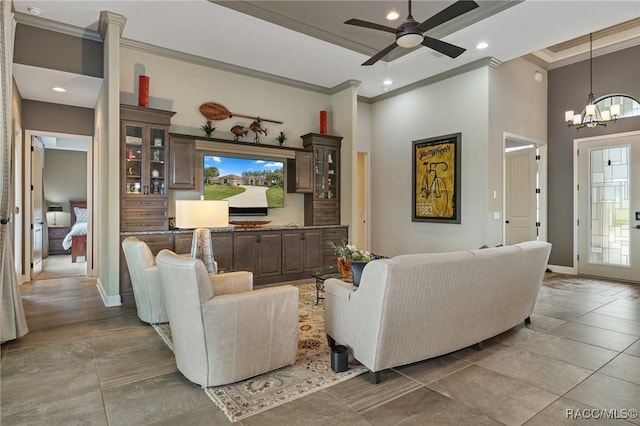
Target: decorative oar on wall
x,y
214,111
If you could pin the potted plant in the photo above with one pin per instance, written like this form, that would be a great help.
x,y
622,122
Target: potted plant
x,y
281,138
208,128
348,255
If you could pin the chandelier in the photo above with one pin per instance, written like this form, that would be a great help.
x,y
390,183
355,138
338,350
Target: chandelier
x,y
591,115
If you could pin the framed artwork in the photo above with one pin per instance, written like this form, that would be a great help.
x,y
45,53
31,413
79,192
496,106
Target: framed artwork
x,y
436,179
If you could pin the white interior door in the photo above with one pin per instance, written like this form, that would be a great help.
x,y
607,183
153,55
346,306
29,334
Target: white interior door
x,y
520,202
37,164
609,207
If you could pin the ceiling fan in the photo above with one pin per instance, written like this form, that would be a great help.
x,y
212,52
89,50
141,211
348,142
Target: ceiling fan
x,y
411,34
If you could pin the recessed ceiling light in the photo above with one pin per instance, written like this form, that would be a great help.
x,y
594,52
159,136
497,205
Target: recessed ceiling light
x,y
393,15
34,10
59,89
387,82
482,45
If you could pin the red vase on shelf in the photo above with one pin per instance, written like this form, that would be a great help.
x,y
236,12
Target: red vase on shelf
x,y
143,91
323,122
344,267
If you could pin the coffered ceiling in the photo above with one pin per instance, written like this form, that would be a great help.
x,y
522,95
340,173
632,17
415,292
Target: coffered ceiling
x,y
306,42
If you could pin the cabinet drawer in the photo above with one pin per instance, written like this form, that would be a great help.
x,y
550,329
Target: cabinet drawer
x,y
143,203
55,245
57,232
140,214
326,204
144,225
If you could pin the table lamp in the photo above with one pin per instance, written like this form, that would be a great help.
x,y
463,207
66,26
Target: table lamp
x,y
55,209
201,215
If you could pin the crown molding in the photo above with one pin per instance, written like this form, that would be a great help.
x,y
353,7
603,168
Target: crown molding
x,y
349,84
222,66
596,52
59,27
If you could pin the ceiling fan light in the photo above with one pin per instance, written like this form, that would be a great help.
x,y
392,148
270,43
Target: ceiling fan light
x,y
409,40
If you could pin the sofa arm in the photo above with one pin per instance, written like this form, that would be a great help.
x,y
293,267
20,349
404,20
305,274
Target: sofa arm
x,y
231,282
339,288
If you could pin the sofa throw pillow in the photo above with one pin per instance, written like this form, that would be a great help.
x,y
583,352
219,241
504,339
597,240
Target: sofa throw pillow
x,y
81,214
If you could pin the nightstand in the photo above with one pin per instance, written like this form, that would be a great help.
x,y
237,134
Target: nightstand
x,y
56,235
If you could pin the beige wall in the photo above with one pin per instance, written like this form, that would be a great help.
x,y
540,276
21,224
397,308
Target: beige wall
x,y
458,104
518,106
65,177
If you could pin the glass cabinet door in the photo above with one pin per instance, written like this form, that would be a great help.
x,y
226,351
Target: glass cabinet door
x,y
332,176
319,164
133,159
157,156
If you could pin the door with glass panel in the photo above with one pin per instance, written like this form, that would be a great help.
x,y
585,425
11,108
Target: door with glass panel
x,y
609,207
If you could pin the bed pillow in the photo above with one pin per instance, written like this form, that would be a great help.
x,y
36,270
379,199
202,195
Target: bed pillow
x,y
81,214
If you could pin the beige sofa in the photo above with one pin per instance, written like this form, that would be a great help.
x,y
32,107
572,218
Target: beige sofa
x,y
414,307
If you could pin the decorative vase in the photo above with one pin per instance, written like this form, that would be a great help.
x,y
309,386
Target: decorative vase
x,y
143,91
323,122
344,267
356,270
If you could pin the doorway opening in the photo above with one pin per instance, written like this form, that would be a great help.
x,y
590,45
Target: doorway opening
x,y
524,202
58,179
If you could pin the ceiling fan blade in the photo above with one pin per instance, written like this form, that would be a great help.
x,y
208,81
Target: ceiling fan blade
x,y
443,47
375,58
458,8
372,25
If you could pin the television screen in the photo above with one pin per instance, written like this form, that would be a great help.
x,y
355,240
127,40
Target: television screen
x,y
251,185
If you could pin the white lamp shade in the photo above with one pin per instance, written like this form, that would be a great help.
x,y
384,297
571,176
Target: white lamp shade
x,y
615,110
606,116
590,110
568,116
577,119
202,213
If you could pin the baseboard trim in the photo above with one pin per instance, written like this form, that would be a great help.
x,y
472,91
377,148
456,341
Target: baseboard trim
x,y
108,301
563,269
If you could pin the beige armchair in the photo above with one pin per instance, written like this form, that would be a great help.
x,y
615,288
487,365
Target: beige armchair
x,y
223,331
145,280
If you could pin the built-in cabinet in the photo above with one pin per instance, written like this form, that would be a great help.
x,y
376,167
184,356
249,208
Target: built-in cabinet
x,y
299,175
144,139
56,234
301,250
258,252
182,160
322,205
273,255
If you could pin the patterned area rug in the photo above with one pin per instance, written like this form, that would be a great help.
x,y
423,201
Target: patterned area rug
x,y
310,373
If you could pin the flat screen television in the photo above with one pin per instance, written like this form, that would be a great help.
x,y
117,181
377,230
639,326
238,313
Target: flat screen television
x,y
252,185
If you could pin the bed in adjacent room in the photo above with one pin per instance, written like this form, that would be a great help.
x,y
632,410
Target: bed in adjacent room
x,y
76,239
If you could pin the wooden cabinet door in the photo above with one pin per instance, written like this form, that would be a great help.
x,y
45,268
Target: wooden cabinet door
x,y
292,251
299,173
182,157
270,263
245,252
222,243
312,240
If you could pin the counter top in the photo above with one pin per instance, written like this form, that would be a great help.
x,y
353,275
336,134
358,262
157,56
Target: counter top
x,y
232,229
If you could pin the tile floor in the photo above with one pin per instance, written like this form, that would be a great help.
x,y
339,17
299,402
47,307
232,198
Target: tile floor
x,y
82,363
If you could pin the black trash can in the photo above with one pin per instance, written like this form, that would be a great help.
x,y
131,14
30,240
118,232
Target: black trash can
x,y
339,358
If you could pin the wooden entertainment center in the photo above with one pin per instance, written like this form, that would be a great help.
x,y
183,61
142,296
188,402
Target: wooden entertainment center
x,y
153,161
